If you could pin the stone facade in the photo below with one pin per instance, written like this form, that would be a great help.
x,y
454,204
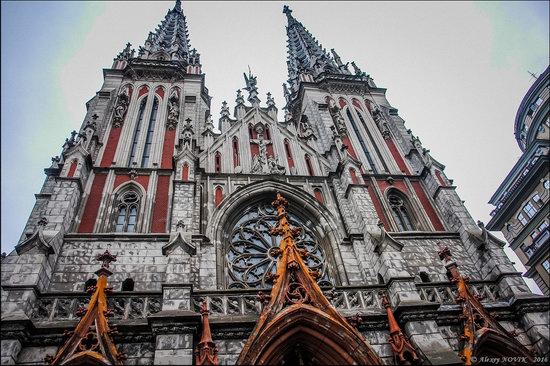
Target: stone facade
x,y
150,179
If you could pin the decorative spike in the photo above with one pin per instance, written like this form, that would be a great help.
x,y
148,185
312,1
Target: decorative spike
x,y
206,352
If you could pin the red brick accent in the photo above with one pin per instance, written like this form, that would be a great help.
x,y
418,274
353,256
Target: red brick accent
x,y
218,196
110,148
92,204
185,172
353,175
397,156
143,90
318,195
351,150
160,207
399,184
254,148
160,92
141,179
342,103
288,151
357,104
378,206
72,168
168,149
440,178
427,206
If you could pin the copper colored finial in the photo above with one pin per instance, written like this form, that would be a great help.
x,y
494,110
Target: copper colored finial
x,y
206,352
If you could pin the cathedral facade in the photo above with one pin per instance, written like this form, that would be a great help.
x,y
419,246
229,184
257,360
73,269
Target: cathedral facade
x,y
331,236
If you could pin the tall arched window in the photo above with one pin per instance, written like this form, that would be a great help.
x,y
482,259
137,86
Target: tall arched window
x,y
361,141
72,168
309,166
218,196
289,158
185,172
236,156
267,134
126,214
150,133
318,195
135,140
217,162
400,211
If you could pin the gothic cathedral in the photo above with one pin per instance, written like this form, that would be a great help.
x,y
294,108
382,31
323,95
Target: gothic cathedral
x,y
329,237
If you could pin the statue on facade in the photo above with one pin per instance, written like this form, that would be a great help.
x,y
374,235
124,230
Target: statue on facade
x,y
381,123
274,166
121,108
173,111
305,130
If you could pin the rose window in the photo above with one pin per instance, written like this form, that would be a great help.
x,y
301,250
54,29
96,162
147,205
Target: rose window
x,y
250,257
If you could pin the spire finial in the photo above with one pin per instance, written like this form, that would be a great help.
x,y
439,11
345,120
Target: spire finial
x,y
287,11
177,7
206,351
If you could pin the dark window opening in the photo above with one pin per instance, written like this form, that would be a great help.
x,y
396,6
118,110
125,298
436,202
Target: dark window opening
x,y
128,285
91,282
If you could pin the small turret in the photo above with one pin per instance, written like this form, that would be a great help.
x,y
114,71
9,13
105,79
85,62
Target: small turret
x,y
225,119
239,107
271,108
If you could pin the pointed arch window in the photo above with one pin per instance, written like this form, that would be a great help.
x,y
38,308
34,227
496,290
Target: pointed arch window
x,y
218,162
400,210
126,214
318,195
361,141
353,175
137,131
150,133
236,157
288,152
267,134
218,196
185,172
309,166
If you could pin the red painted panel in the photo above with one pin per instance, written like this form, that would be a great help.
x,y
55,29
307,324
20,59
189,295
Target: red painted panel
x,y
351,150
110,148
168,149
440,178
141,179
72,168
218,196
397,156
160,207
357,104
318,195
160,92
353,175
288,151
427,206
185,172
143,90
378,206
92,204
342,102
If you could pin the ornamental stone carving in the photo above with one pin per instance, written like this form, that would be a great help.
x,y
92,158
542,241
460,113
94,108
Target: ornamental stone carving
x,y
121,108
173,111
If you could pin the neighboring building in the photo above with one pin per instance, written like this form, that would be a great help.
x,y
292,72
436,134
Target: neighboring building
x,y
363,254
522,208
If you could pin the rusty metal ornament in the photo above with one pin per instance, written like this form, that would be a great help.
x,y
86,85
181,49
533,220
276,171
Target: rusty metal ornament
x,y
403,352
477,321
296,308
206,352
91,342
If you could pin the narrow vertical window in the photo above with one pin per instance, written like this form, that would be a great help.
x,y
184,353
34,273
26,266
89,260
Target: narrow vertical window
x,y
150,133
353,176
267,134
185,172
236,158
289,158
218,162
361,141
135,140
400,212
318,195
250,131
309,166
218,196
72,168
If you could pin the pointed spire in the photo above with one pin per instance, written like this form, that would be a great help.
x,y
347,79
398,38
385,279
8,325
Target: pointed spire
x,y
206,352
252,88
170,40
295,293
403,352
305,54
91,341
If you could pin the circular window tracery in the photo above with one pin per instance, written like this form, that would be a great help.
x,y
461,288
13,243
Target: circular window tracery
x,y
250,257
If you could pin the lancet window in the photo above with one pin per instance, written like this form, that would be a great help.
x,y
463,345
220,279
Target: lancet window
x,y
135,140
361,141
401,212
236,156
250,252
150,133
218,162
126,213
309,166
